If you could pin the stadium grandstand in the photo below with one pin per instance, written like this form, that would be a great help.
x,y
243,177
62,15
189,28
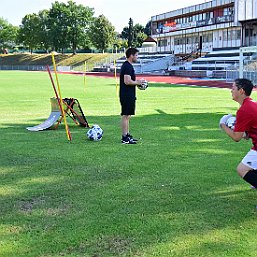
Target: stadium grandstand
x,y
201,40
217,24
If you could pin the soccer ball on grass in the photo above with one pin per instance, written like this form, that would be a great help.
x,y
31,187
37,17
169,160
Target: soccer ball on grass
x,y
95,133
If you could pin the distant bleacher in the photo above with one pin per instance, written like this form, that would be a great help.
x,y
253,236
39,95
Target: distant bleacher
x,y
149,63
215,64
217,60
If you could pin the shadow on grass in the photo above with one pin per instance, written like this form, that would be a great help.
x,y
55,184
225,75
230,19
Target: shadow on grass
x,y
107,199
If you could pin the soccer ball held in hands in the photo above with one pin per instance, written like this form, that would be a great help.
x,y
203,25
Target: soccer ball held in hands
x,y
143,85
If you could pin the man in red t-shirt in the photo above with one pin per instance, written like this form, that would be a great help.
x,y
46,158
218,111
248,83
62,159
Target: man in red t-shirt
x,y
245,127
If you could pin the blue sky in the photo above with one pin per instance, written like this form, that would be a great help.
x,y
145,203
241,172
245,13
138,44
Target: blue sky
x,y
115,10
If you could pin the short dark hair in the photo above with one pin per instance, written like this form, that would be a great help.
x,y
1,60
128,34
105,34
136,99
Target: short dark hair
x,y
245,84
131,51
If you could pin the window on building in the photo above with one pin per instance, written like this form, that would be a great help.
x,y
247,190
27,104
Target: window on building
x,y
231,11
238,34
230,35
225,35
225,12
249,32
233,34
162,42
211,37
207,37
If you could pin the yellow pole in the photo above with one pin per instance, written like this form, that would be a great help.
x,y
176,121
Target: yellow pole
x,y
85,72
115,75
61,105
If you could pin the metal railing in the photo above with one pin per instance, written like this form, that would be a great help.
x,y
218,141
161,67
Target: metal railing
x,y
32,68
23,67
249,71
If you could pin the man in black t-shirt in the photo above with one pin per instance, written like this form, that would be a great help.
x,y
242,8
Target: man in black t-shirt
x,y
128,85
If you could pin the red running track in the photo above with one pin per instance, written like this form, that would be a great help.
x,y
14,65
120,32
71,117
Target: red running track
x,y
166,79
172,80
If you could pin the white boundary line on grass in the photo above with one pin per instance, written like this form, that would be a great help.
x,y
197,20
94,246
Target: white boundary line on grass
x,y
200,86
187,85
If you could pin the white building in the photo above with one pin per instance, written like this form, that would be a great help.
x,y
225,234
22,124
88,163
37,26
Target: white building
x,y
211,25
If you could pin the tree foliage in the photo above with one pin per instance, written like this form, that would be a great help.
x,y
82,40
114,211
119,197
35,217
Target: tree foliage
x,y
120,43
139,35
29,31
134,34
63,26
147,29
58,26
8,34
43,30
67,25
130,33
102,33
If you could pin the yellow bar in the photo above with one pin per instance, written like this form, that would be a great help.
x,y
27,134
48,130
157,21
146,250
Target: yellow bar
x,y
85,73
59,91
115,76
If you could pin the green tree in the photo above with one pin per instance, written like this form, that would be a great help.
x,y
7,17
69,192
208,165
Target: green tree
x,y
79,21
120,43
69,24
125,33
140,38
28,32
139,35
134,35
130,33
147,29
44,30
57,24
8,34
102,33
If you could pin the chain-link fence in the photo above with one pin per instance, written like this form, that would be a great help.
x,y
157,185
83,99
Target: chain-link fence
x,y
33,68
106,63
249,71
23,67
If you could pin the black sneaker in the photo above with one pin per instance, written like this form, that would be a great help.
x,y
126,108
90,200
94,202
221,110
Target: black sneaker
x,y
131,137
127,140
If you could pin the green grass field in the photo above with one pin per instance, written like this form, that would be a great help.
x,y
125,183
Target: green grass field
x,y
176,193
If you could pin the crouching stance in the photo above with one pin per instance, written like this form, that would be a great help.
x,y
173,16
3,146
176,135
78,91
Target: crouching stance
x,y
245,127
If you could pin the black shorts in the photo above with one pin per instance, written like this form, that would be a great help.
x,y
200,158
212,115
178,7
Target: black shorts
x,y
128,106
